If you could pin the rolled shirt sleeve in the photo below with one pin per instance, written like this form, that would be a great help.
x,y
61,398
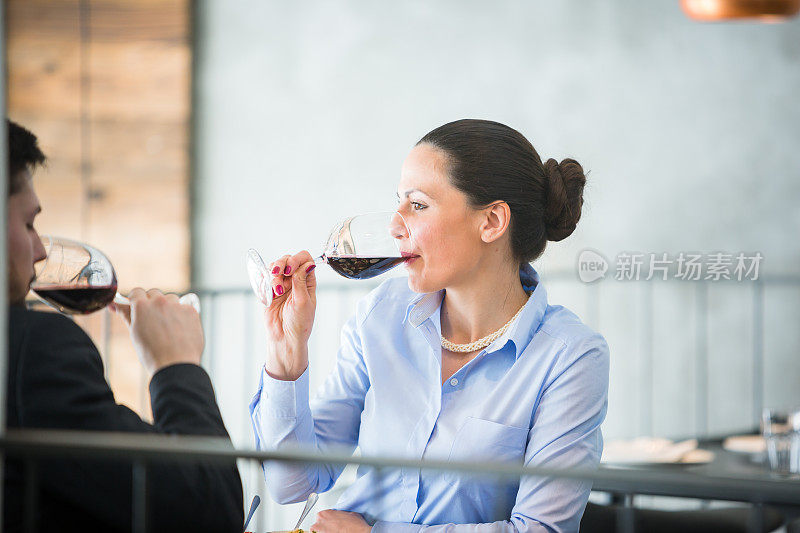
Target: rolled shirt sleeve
x,y
283,418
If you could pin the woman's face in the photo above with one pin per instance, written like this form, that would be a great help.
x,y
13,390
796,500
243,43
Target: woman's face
x,y
445,230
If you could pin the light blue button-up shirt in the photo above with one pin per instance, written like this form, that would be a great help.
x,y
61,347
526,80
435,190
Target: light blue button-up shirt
x,y
537,395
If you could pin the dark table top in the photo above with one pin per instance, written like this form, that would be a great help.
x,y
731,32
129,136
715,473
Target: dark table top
x,y
725,464
743,467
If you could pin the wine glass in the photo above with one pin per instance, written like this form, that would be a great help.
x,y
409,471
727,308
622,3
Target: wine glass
x,y
76,278
359,247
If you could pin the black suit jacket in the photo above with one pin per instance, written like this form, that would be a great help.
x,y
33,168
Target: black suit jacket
x,y
56,381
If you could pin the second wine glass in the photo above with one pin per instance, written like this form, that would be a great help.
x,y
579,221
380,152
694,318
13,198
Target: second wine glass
x,y
76,278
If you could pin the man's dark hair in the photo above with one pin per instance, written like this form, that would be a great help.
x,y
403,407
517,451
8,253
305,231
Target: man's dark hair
x,y
23,153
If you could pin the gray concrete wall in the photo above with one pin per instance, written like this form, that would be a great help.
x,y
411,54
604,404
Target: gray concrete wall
x,y
306,110
690,132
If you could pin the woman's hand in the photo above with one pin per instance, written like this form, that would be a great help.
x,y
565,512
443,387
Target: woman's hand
x,y
331,521
291,316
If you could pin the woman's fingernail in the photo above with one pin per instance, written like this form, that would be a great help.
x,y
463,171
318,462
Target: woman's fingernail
x,y
276,270
287,271
279,290
309,269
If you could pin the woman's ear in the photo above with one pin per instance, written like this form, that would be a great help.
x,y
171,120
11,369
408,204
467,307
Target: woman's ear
x,y
495,223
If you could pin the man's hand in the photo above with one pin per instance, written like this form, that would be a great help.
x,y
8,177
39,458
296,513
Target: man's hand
x,y
164,331
331,521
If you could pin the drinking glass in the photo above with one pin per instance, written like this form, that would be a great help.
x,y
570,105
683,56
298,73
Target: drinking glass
x,y
76,278
794,446
778,435
359,247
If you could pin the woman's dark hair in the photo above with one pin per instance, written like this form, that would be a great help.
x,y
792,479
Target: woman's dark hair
x,y
489,161
23,154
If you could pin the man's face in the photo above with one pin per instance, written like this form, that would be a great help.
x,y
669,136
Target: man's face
x,y
24,246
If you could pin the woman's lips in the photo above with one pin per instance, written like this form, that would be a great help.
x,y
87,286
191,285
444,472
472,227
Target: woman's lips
x,y
409,257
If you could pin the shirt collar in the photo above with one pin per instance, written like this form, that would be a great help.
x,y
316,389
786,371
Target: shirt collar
x,y
422,307
521,331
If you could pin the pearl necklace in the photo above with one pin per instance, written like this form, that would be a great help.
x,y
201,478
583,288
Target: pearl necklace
x,y
480,344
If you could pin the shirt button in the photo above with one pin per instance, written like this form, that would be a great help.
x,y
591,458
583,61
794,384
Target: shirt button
x,y
454,382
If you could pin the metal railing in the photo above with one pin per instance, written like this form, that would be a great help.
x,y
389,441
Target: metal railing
x,y
752,316
141,450
756,298
217,305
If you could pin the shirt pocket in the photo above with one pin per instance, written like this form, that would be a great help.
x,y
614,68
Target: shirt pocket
x,y
490,441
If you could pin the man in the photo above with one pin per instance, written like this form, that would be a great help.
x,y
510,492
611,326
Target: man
x,y
55,381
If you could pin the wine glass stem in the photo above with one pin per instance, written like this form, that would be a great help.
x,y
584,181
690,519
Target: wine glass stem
x,y
189,298
320,260
120,299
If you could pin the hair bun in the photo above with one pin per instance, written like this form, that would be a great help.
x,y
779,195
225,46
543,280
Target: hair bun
x,y
564,197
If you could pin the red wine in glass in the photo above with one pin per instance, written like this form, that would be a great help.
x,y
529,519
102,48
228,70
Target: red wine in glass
x,y
362,267
77,300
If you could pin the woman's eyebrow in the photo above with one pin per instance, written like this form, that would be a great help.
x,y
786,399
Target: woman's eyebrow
x,y
407,193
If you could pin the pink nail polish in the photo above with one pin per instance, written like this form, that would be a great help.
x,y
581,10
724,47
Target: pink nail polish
x,y
276,270
279,290
287,271
309,269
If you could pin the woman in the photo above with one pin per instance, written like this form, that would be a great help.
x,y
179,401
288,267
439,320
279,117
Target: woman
x,y
465,360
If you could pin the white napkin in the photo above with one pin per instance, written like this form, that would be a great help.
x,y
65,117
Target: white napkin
x,y
745,444
647,450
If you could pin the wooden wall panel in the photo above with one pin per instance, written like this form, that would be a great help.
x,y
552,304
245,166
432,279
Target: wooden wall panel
x,y
155,246
58,184
45,77
105,85
140,81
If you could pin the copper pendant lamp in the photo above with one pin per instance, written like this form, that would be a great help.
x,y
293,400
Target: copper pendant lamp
x,y
763,10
